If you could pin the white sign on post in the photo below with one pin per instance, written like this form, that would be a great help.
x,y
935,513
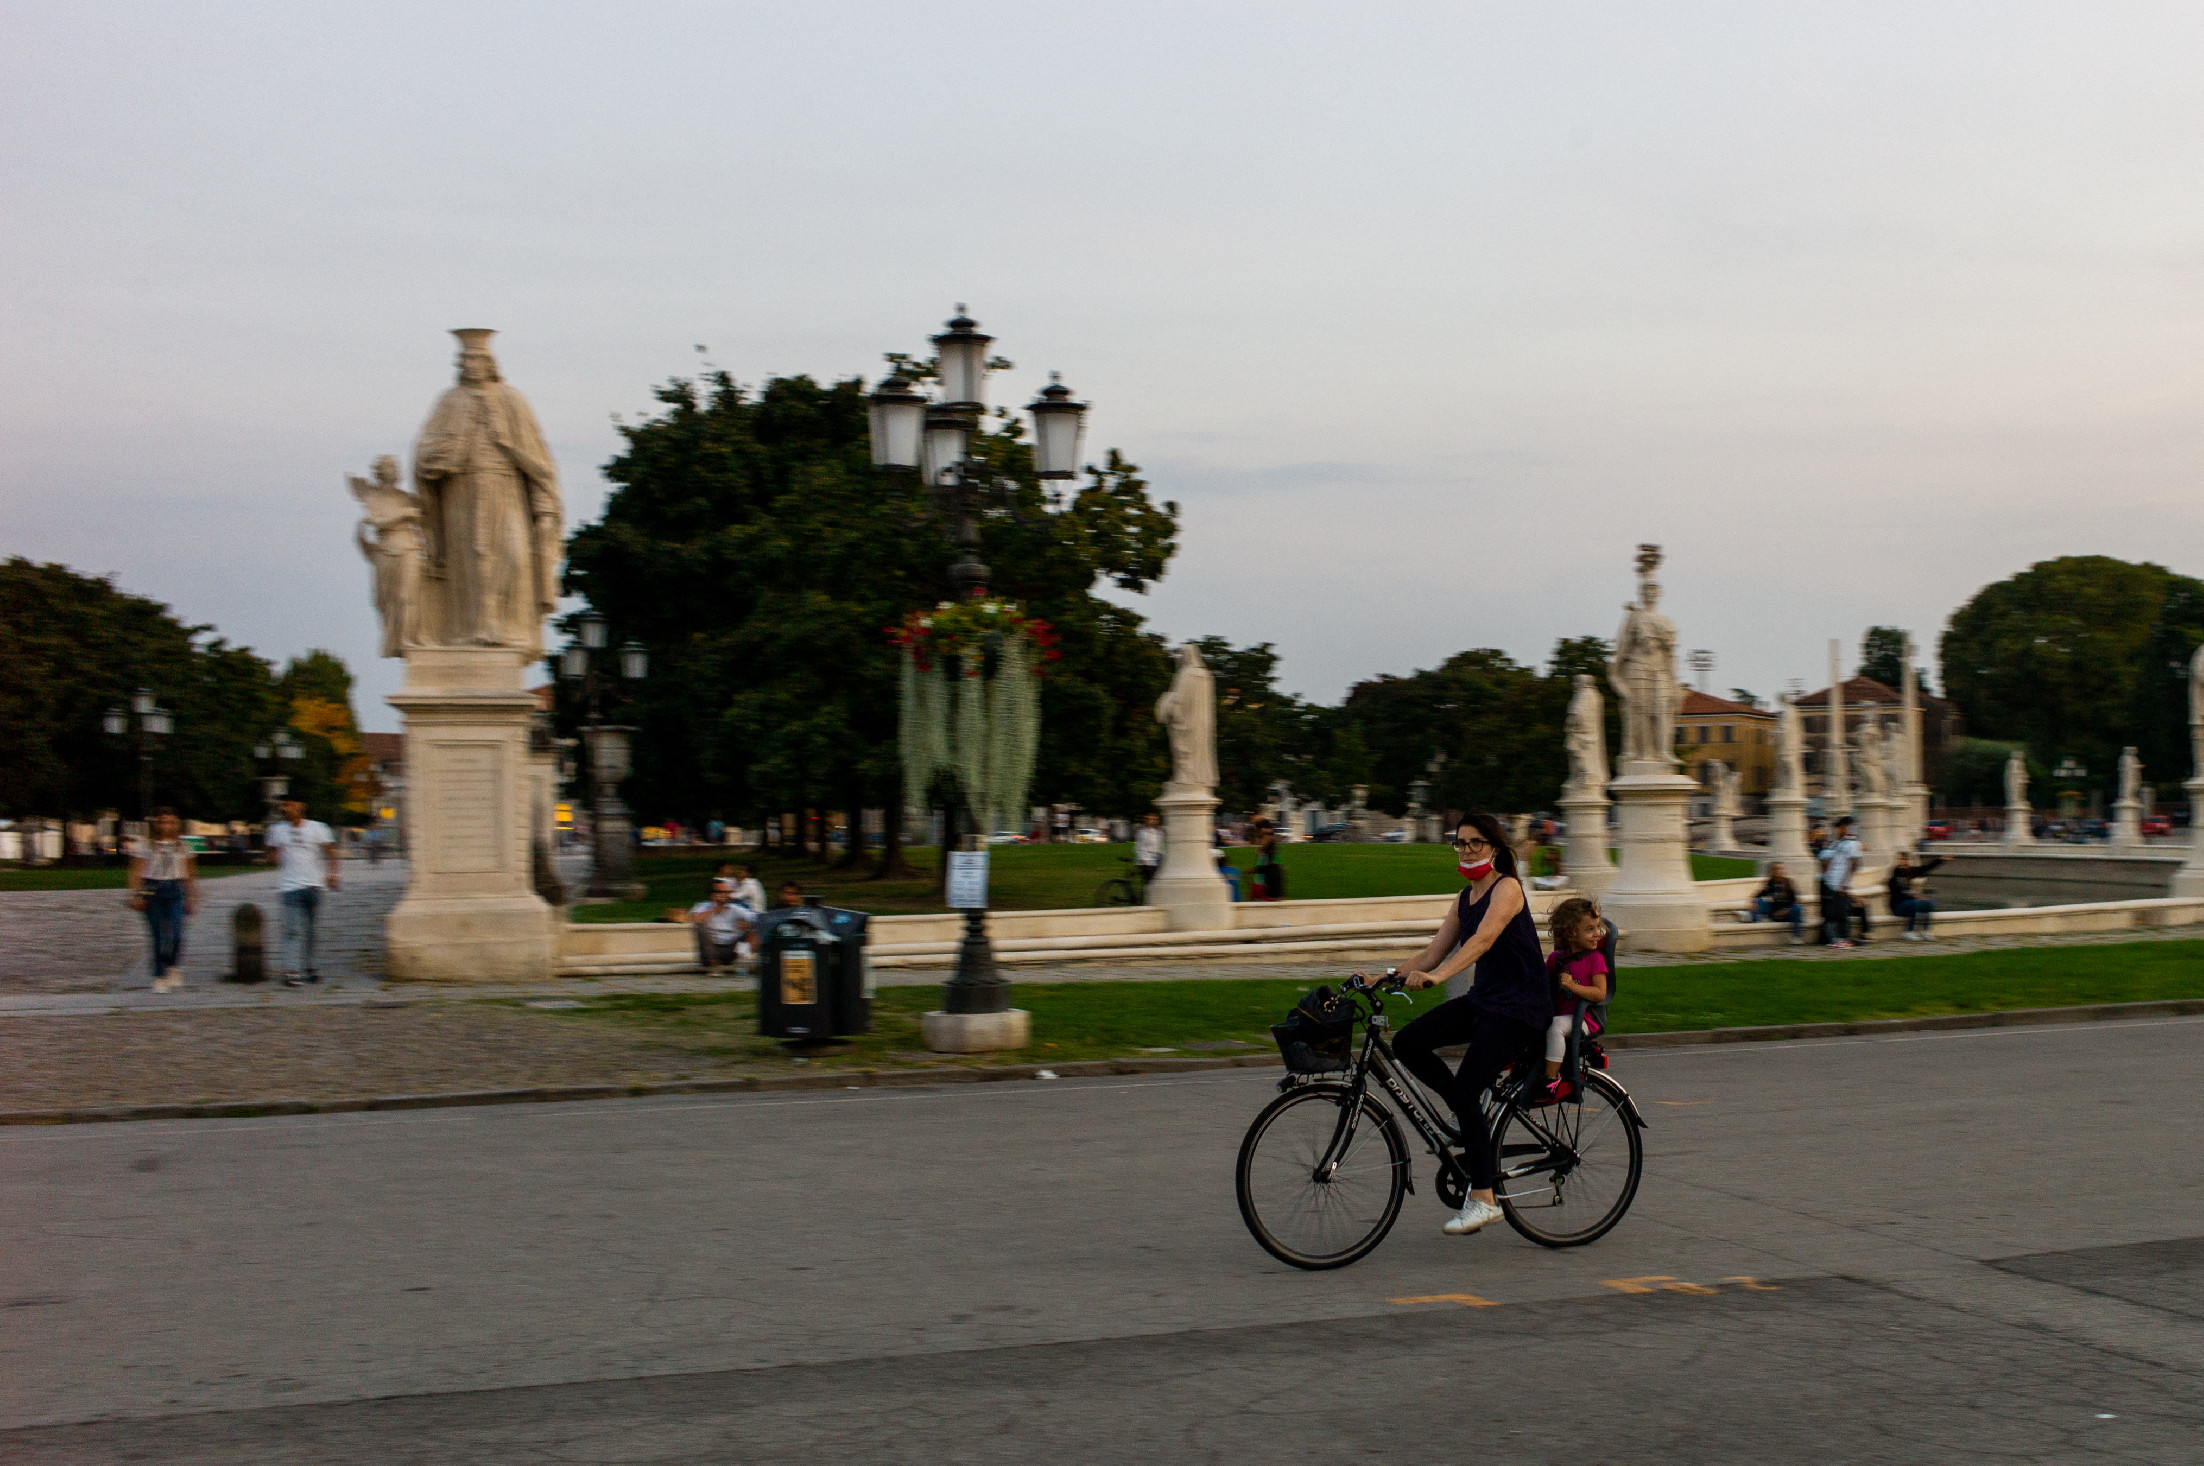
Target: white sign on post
x,y
967,880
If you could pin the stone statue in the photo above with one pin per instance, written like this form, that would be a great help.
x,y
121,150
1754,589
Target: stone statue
x,y
1790,748
1188,711
2131,776
1643,671
2016,779
1874,761
490,505
1895,761
397,553
1729,791
1584,734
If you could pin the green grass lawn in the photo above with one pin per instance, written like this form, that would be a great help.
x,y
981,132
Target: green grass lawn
x,y
1053,877
1122,1019
97,878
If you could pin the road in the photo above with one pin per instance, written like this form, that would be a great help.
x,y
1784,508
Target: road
x,y
1930,1247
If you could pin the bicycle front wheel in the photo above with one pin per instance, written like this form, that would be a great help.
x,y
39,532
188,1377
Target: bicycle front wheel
x,y
1114,893
1568,1172
1316,1190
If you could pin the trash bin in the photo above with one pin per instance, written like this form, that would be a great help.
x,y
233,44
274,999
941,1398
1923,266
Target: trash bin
x,y
812,980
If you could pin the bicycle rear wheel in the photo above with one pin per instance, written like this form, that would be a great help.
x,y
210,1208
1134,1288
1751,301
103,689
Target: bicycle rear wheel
x,y
1313,1220
1568,1172
1117,892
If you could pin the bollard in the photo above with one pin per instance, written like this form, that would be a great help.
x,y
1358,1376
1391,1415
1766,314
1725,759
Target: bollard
x,y
248,959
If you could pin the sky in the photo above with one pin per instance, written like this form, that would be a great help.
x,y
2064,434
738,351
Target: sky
x,y
1426,315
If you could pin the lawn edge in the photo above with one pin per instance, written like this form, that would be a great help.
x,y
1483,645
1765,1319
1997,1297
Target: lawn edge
x,y
1081,1069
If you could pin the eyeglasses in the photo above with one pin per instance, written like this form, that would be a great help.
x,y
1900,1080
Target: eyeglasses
x,y
1471,847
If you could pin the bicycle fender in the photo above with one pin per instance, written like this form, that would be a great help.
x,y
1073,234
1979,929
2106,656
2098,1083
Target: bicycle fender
x,y
1629,1105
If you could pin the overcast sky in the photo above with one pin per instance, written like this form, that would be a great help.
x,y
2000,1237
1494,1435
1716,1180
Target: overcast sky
x,y
1425,314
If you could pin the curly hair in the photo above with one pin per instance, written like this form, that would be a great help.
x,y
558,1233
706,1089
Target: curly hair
x,y
1567,919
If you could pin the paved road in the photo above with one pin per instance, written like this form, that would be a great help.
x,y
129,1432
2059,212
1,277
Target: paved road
x,y
1931,1247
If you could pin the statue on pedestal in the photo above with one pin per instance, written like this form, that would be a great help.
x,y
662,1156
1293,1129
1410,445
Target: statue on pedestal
x,y
1874,761
1729,792
1643,671
2196,714
2131,776
2016,780
1790,748
489,496
397,554
1188,712
1584,735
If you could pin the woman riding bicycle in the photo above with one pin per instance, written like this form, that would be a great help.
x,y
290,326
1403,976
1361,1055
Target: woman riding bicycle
x,y
1501,1017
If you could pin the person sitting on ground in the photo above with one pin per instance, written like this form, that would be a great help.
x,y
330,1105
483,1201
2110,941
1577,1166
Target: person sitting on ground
x,y
748,890
720,924
1777,899
1904,871
1578,970
1839,859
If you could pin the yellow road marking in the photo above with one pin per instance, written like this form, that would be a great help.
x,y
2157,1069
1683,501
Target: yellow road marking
x,y
1682,1104
1754,1285
1467,1300
1657,1282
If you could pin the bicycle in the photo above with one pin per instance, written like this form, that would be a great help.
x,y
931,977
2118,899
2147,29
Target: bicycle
x,y
1317,1191
1120,890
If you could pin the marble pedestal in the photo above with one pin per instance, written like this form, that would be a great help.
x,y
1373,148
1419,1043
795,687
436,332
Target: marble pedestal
x,y
1787,839
2189,880
2020,825
1724,836
1188,886
2127,824
470,912
1874,815
1584,844
1652,898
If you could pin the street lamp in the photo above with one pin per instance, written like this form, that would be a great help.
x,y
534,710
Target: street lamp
x,y
935,437
151,722
275,754
611,823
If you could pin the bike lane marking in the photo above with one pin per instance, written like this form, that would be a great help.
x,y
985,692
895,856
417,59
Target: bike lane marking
x,y
1467,1300
1663,1283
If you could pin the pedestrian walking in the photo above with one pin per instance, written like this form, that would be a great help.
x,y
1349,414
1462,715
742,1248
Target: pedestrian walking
x,y
1148,848
306,854
164,884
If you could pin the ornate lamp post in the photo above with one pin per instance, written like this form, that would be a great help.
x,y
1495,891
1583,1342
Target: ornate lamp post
x,y
2071,775
611,826
935,438
275,755
150,723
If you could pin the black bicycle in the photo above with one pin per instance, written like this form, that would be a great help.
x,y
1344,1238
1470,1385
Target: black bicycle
x,y
1324,1168
1124,890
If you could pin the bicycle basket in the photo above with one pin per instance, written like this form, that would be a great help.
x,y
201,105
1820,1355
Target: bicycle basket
x,y
1318,1034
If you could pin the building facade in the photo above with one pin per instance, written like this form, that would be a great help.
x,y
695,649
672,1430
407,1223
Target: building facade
x,y
1739,734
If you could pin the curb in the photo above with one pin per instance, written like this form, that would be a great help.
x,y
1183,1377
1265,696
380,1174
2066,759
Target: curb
x,y
1082,1069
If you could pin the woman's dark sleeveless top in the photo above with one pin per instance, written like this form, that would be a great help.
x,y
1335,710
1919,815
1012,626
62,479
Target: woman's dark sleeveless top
x,y
1511,977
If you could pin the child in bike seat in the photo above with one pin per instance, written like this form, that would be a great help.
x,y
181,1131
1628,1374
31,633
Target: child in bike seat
x,y
1578,972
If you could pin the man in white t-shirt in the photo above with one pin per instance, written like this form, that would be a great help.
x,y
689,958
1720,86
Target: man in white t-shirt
x,y
720,923
1148,848
306,854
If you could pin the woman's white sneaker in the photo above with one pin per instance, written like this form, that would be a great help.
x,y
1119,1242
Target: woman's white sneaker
x,y
1474,1216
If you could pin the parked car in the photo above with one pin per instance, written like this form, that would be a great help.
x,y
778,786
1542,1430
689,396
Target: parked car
x,y
2096,830
1331,832
2157,824
1089,835
1394,837
1937,830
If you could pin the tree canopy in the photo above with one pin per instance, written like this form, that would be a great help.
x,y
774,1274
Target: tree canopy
x,y
758,553
2079,656
72,646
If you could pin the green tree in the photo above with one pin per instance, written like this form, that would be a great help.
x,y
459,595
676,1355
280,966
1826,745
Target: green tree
x,y
1883,658
753,547
2053,657
332,775
71,647
1973,772
2158,717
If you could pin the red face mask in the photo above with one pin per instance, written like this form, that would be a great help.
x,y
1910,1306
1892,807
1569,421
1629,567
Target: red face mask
x,y
1475,872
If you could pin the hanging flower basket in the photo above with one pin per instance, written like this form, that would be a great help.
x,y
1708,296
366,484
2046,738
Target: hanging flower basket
x,y
965,630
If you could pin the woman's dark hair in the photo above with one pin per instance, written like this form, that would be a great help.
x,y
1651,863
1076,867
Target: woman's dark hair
x,y
1503,854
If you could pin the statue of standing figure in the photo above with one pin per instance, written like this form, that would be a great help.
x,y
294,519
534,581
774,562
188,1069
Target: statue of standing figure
x,y
1790,748
2196,714
2131,776
489,496
2016,779
1585,736
1188,712
1874,762
1643,671
397,553
1729,798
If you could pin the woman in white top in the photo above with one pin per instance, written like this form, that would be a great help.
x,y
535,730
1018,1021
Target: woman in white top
x,y
164,884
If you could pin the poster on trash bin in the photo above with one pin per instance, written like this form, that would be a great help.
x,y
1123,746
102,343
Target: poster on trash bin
x,y
799,979
967,880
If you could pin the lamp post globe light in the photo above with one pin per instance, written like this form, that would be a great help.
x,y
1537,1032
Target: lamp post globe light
x,y
934,437
147,722
611,826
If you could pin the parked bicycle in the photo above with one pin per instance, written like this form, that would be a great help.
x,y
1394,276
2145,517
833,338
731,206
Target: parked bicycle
x,y
1324,1168
1124,890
